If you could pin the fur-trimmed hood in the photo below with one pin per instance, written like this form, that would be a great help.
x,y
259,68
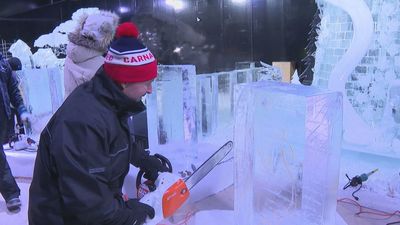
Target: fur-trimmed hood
x,y
95,31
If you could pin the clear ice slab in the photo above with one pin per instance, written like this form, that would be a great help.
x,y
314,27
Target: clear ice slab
x,y
171,108
287,149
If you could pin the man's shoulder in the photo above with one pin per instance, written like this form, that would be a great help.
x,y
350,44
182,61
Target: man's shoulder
x,y
85,107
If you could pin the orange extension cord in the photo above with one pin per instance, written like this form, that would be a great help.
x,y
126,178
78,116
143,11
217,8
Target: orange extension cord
x,y
371,211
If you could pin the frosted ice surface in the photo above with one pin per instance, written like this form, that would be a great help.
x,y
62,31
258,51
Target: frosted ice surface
x,y
42,90
171,108
66,27
287,147
269,72
35,88
367,87
22,51
59,36
44,58
215,101
76,15
225,97
51,39
56,87
207,101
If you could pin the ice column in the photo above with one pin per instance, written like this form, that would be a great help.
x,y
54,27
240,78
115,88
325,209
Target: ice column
x,y
35,87
215,102
171,108
287,148
207,104
56,86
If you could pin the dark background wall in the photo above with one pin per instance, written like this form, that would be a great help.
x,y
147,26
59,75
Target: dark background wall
x,y
212,34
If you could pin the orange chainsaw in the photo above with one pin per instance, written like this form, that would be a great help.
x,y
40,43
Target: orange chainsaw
x,y
170,191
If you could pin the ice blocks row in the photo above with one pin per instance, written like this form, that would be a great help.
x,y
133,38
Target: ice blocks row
x,y
187,107
183,107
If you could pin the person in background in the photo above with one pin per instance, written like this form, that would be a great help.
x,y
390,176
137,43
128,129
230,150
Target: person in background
x,y
10,95
15,65
86,148
86,47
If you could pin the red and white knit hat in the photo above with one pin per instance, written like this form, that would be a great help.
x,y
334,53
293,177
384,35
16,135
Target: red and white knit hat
x,y
127,59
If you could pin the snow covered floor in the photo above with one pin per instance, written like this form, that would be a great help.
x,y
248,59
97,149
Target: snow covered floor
x,y
20,217
209,211
381,191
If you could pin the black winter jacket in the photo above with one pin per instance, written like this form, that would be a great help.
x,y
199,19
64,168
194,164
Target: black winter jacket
x,y
9,90
83,157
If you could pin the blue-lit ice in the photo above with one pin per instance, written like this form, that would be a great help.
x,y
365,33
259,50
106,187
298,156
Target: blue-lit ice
x,y
171,108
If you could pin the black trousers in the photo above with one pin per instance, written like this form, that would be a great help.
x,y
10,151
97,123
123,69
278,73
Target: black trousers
x,y
8,186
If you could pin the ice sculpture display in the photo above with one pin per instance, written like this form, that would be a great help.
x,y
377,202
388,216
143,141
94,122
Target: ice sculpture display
x,y
357,54
44,57
22,51
203,104
59,36
286,155
171,108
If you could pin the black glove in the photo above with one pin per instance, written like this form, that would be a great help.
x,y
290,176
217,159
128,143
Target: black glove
x,y
140,211
152,165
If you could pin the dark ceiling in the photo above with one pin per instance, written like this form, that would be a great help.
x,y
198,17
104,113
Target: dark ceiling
x,y
267,30
11,8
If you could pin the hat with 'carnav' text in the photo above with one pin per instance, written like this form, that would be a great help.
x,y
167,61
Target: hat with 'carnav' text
x,y
127,59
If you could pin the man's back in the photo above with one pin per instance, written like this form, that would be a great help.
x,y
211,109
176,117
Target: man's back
x,y
82,159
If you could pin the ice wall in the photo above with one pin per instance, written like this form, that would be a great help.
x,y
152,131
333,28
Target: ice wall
x,y
215,102
367,78
187,107
287,147
43,93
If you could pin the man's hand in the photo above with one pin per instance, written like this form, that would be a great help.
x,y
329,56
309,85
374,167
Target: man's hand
x,y
26,117
152,165
140,211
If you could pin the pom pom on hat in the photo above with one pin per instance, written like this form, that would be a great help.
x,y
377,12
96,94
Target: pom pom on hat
x,y
127,59
127,29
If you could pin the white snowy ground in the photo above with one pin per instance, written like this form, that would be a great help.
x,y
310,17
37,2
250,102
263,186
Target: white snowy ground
x,y
214,210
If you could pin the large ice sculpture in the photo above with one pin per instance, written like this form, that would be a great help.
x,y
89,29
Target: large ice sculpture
x,y
171,108
58,38
358,54
22,51
287,147
45,57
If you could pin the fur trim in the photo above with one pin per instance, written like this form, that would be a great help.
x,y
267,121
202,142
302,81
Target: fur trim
x,y
106,31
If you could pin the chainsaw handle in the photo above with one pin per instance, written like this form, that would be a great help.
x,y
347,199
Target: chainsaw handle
x,y
163,160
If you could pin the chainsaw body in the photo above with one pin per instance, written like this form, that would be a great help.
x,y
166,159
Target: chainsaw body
x,y
170,194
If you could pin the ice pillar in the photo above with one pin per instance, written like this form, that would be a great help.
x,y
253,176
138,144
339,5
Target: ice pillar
x,y
287,149
171,108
